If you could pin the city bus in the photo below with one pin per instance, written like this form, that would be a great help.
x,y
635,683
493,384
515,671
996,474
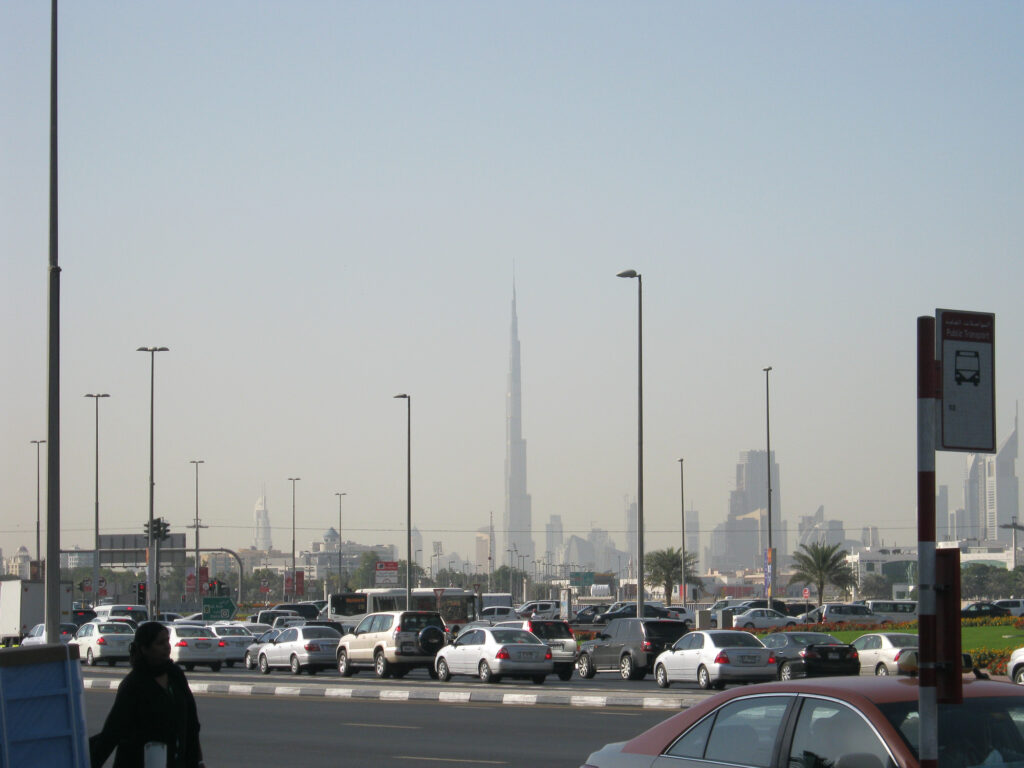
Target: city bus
x,y
457,606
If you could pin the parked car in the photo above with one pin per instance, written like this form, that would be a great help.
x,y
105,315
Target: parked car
x,y
1015,666
289,621
237,640
983,610
37,635
309,648
762,618
541,609
558,637
841,613
712,658
629,647
588,614
103,641
252,651
137,613
81,615
494,613
1014,606
811,654
894,611
880,651
392,642
650,612
305,610
777,605
848,721
267,616
492,653
192,645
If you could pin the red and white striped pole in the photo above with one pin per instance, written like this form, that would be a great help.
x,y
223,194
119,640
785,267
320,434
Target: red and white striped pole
x,y
927,410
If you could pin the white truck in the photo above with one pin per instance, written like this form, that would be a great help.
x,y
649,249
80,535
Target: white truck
x,y
23,605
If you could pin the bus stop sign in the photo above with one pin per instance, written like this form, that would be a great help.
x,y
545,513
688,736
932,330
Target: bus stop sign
x,y
965,348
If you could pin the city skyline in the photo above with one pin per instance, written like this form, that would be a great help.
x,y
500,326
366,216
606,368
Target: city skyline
x,y
321,210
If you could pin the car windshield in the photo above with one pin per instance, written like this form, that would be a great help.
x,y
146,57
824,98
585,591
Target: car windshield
x,y
813,638
417,621
734,640
231,631
669,631
988,731
320,632
116,628
902,641
514,636
194,632
551,630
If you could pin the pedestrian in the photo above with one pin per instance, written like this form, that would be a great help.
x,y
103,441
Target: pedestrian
x,y
153,704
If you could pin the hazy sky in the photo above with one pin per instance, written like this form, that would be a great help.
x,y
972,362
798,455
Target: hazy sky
x,y
318,205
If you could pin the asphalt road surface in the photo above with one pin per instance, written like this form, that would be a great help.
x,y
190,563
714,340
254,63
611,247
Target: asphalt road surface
x,y
258,730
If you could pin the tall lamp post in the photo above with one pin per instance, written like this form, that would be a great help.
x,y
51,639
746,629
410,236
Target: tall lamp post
x,y
768,435
339,494
96,542
408,497
153,569
37,443
293,481
682,518
197,526
416,554
629,273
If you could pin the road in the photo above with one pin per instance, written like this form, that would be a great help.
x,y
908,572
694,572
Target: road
x,y
269,730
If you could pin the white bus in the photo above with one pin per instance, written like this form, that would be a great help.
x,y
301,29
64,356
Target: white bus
x,y
456,606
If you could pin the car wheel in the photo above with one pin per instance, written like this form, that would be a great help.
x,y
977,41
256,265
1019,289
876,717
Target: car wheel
x,y
381,665
790,624
786,671
264,665
539,679
662,676
215,667
89,658
189,667
486,676
1018,675
295,666
585,667
565,674
344,668
443,673
703,678
626,667
250,662
432,672
749,625
882,671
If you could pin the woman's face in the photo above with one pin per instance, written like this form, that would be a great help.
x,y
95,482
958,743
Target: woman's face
x,y
160,649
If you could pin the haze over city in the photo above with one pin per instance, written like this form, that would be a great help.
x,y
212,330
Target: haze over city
x,y
317,206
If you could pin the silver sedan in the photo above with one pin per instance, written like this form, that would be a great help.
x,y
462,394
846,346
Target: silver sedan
x,y
762,618
715,657
880,651
309,648
492,654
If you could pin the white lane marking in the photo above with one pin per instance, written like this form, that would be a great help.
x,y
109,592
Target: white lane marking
x,y
284,690
450,760
457,697
384,725
245,690
660,703
519,698
200,687
341,693
394,695
588,701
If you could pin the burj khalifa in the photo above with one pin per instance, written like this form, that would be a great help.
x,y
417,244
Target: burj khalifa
x,y
518,516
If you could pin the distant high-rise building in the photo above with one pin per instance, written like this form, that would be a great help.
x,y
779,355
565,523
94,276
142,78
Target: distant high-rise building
x,y
741,540
692,518
482,551
631,526
942,514
992,491
869,537
417,547
518,514
262,539
553,535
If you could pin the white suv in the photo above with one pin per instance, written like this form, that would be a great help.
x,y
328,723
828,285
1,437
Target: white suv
x,y
392,643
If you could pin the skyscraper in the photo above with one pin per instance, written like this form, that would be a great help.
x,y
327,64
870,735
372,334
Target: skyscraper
x,y
518,516
262,517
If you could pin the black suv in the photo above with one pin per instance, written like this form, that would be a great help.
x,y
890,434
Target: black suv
x,y
629,647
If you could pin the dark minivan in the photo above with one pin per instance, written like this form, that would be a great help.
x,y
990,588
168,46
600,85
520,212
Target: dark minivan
x,y
629,647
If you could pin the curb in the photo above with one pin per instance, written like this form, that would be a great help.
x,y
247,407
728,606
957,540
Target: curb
x,y
440,696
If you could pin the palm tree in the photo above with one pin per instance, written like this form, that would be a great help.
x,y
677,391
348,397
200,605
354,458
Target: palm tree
x,y
821,564
663,568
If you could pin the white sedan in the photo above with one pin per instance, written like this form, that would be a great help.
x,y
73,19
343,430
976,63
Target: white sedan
x,y
762,618
37,635
880,651
191,645
237,638
103,640
712,658
493,653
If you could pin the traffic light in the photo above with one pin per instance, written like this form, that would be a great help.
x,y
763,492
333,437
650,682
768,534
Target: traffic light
x,y
211,588
161,529
145,529
140,593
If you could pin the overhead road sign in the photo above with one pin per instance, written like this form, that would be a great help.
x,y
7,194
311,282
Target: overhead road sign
x,y
218,608
965,349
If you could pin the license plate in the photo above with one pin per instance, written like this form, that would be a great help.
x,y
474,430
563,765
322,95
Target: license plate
x,y
833,655
528,655
200,644
408,647
748,659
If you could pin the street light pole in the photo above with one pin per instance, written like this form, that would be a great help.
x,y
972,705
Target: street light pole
x,y
339,495
96,543
153,569
408,497
197,526
293,481
629,273
37,443
682,507
768,434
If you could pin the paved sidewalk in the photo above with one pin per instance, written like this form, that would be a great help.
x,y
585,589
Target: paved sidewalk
x,y
439,694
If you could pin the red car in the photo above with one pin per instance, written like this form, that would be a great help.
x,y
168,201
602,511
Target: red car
x,y
849,722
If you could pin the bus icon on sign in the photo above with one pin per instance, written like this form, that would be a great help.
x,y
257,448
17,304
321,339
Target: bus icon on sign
x,y
966,367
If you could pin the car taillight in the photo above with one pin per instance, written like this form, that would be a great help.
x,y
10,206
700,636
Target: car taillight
x,y
771,658
398,629
101,641
807,653
222,644
547,655
646,645
182,644
311,647
529,626
722,658
854,654
897,656
502,654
